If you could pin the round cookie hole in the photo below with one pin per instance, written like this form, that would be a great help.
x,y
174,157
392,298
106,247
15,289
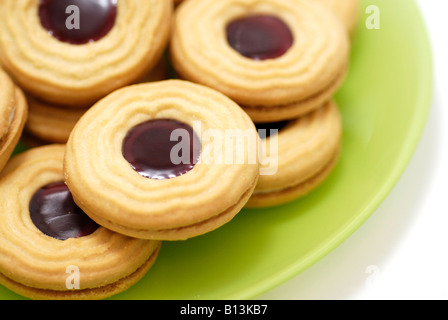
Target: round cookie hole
x,y
54,212
162,149
259,37
265,130
78,21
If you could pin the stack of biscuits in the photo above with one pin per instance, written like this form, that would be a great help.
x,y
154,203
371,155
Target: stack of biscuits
x,y
124,109
291,93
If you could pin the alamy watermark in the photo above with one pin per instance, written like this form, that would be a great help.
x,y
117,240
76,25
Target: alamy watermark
x,y
227,146
374,273
72,282
373,21
73,21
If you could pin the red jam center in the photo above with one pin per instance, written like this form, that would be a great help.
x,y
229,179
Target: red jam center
x,y
54,212
268,129
162,149
260,37
78,21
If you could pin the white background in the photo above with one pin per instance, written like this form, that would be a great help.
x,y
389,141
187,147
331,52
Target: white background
x,y
401,252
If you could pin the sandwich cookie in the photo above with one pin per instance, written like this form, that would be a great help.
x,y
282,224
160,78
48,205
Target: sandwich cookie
x,y
74,52
307,150
49,249
157,160
278,59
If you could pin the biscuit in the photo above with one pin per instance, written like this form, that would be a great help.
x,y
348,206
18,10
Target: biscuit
x,y
291,67
135,187
307,149
41,245
73,74
13,114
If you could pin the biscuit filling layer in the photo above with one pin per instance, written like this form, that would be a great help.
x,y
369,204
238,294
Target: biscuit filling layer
x,y
260,37
78,21
162,149
54,212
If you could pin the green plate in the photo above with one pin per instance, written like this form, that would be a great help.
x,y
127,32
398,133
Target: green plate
x,y
384,104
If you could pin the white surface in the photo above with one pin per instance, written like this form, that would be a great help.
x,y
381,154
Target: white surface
x,y
401,252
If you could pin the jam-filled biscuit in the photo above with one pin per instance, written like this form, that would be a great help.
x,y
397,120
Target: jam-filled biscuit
x,y
346,10
278,59
74,52
49,249
305,150
149,160
13,114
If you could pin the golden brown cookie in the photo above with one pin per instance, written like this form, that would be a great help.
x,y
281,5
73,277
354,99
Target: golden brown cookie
x,y
278,59
13,114
346,10
304,151
153,161
49,249
73,52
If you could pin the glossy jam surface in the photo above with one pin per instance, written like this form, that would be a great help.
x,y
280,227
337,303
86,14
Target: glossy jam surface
x,y
54,212
265,130
78,21
260,37
162,149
